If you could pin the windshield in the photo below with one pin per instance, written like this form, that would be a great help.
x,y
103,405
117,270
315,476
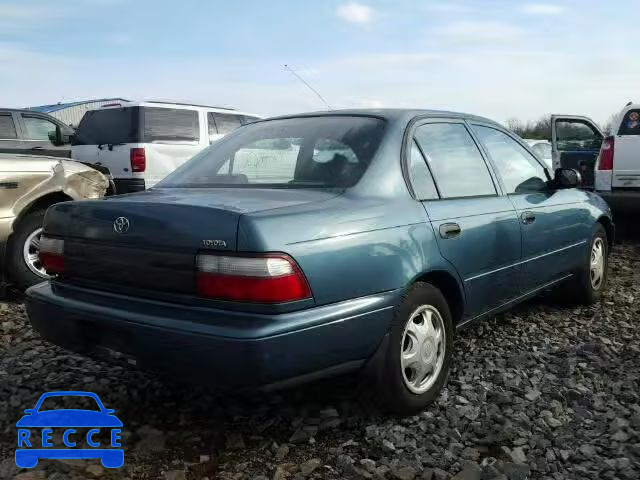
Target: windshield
x,y
326,151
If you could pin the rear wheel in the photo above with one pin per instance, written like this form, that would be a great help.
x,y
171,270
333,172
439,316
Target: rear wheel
x,y
23,265
418,354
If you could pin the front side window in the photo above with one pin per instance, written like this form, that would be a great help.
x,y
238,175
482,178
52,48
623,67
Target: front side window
x,y
630,123
519,170
226,123
455,161
313,152
420,176
170,125
576,136
39,128
7,127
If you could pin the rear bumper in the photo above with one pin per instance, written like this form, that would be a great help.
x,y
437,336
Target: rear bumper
x,y
622,200
129,185
211,346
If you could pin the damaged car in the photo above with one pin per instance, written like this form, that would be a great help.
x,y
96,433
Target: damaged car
x,y
29,184
318,244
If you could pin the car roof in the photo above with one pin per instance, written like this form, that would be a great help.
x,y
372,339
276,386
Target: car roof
x,y
174,105
22,110
392,114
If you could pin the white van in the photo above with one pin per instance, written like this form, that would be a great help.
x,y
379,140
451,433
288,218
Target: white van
x,y
142,142
611,164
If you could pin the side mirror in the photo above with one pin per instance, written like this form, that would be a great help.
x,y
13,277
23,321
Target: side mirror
x,y
29,411
60,137
109,411
568,178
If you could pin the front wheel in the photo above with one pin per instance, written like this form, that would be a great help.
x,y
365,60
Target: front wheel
x,y
418,353
588,285
23,264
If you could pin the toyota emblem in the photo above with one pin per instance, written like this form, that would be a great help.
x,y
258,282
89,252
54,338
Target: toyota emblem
x,y
121,225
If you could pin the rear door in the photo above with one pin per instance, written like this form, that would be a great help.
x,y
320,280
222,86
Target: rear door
x,y
626,162
10,141
171,136
476,228
575,143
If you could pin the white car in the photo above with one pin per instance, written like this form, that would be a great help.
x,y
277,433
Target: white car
x,y
542,148
611,165
142,142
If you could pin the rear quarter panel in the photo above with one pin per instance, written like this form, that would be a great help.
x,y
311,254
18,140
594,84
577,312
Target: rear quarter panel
x,y
349,247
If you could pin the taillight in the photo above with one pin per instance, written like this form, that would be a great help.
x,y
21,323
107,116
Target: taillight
x,y
138,160
269,278
52,254
605,160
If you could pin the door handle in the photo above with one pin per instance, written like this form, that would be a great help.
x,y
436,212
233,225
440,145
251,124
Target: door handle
x,y
528,217
450,230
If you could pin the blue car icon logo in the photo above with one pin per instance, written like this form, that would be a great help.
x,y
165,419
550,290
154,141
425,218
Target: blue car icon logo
x,y
36,431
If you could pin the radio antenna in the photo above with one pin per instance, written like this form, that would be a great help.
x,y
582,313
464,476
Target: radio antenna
x,y
295,74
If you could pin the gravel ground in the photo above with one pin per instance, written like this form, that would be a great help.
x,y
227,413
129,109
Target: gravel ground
x,y
543,392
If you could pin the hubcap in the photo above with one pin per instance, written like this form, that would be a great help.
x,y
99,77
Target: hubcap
x,y
30,252
423,345
597,263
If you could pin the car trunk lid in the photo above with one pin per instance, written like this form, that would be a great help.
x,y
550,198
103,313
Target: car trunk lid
x,y
150,240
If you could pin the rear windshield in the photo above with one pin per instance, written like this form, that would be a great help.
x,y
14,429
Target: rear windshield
x,y
137,125
630,123
322,152
109,126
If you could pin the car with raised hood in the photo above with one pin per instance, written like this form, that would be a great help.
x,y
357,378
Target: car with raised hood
x,y
323,243
611,162
142,142
29,184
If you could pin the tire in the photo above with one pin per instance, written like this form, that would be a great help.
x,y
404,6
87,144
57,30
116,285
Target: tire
x,y
582,290
20,273
400,387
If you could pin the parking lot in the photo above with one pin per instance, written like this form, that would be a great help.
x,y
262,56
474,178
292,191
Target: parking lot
x,y
546,391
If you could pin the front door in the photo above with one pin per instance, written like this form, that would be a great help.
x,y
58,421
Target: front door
x,y
42,136
576,143
476,228
553,221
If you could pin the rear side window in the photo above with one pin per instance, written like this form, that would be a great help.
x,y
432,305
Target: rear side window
x,y
226,123
170,125
457,165
109,126
630,123
7,127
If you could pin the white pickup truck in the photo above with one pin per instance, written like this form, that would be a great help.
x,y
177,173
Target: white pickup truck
x,y
609,164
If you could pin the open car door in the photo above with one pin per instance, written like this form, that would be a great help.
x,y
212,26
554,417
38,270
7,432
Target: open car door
x,y
575,143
